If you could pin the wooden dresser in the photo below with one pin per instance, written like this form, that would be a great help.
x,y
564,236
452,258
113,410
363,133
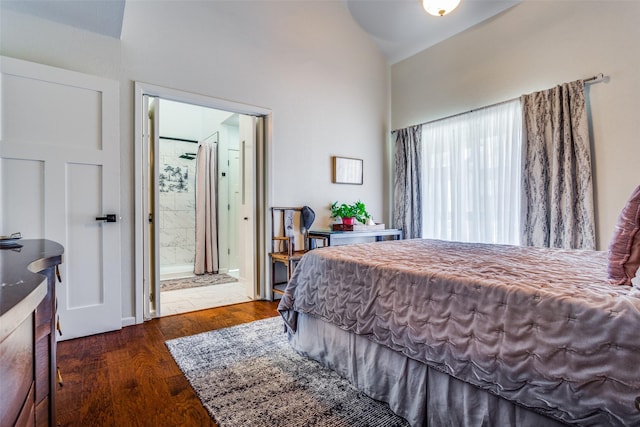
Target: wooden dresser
x,y
27,333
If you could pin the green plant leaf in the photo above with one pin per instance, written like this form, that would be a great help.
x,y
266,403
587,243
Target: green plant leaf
x,y
356,210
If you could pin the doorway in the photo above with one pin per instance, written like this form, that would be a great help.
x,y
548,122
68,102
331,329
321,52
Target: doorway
x,y
198,266
175,130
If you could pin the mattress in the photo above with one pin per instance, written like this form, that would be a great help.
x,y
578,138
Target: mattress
x,y
542,328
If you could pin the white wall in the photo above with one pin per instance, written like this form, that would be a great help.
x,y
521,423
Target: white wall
x,y
533,46
307,61
177,206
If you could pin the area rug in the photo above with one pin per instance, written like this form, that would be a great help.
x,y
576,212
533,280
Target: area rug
x,y
248,375
196,281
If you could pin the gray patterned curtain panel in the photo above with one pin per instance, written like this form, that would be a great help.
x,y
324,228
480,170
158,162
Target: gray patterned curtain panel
x,y
407,206
557,188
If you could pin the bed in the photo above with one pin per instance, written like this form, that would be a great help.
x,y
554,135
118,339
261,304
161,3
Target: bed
x,y
460,334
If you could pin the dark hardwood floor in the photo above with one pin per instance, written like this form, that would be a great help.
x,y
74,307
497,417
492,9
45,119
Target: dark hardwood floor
x,y
128,378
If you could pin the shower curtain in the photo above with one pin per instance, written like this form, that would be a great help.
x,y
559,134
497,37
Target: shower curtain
x,y
206,257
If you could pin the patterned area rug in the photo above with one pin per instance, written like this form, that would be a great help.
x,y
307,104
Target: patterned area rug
x,y
196,281
248,375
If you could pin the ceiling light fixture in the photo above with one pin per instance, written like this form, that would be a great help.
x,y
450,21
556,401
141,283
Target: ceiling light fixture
x,y
439,7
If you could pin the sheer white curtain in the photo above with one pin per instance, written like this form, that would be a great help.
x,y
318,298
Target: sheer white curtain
x,y
472,174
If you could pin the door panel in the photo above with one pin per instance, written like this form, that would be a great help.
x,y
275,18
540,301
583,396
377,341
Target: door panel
x,y
83,191
80,111
26,213
60,136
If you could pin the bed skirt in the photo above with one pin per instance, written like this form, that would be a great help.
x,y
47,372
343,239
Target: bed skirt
x,y
422,395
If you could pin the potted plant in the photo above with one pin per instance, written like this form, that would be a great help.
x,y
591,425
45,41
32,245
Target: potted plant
x,y
349,213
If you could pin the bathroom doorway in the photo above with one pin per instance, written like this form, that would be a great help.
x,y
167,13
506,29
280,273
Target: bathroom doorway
x,y
186,131
176,135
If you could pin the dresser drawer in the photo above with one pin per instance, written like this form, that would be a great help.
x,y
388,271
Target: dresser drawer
x,y
16,372
27,414
42,413
44,316
42,367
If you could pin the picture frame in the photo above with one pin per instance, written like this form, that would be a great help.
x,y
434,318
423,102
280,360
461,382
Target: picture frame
x,y
347,170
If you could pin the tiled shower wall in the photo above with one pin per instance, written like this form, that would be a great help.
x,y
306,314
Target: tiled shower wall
x,y
177,206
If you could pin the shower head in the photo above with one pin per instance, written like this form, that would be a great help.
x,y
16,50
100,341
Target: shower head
x,y
188,156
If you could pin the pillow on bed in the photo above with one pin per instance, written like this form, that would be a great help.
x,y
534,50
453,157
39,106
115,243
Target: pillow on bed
x,y
624,250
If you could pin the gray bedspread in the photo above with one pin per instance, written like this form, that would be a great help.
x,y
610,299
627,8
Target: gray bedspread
x,y
540,327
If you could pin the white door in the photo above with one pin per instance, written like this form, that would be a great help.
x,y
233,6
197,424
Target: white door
x,y
59,157
234,208
247,211
151,206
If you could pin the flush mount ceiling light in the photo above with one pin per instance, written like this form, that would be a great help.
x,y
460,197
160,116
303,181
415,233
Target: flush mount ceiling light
x,y
439,7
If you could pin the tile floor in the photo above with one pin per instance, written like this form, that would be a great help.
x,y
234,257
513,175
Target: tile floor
x,y
192,299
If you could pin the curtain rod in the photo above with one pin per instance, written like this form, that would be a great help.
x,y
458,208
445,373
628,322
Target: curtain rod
x,y
179,139
207,137
188,140
595,79
591,80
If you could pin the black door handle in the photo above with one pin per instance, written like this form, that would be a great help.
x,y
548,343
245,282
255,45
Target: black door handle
x,y
107,218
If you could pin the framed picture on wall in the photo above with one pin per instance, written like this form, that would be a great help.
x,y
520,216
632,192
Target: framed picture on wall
x,y
347,170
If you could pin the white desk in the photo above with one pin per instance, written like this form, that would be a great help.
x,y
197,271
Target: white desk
x,y
333,237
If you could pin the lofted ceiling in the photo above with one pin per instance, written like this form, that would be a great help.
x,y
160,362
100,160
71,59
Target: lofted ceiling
x,y
99,16
400,28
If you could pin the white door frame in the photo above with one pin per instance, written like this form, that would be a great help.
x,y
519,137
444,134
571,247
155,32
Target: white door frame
x,y
263,182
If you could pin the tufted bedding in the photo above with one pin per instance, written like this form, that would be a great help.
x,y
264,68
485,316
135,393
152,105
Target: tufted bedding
x,y
540,327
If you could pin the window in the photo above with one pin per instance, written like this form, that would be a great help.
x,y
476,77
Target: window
x,y
471,176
